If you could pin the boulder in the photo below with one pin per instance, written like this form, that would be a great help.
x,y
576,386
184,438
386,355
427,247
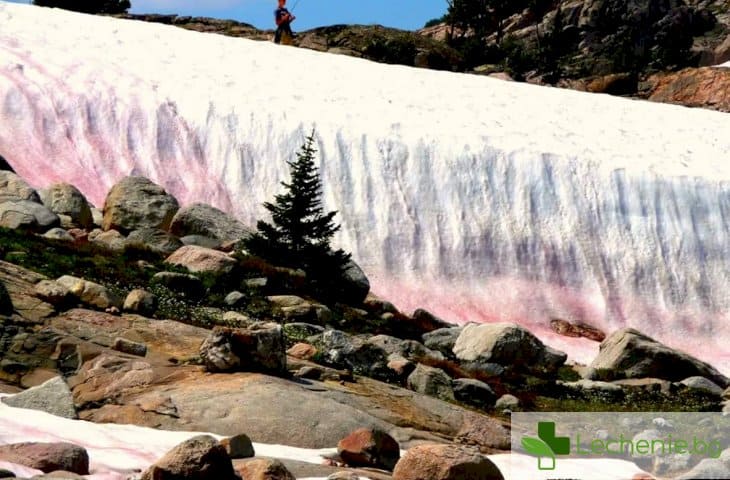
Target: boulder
x,y
136,202
408,349
47,457
199,458
303,351
234,299
629,353
258,347
506,344
428,322
352,353
445,462
140,301
205,220
355,285
27,215
110,240
12,187
367,447
153,239
90,293
52,292
431,381
473,392
702,384
442,339
200,259
238,446
65,199
507,401
264,469
53,396
183,283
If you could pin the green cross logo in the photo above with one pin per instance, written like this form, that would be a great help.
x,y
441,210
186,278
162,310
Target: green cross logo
x,y
547,445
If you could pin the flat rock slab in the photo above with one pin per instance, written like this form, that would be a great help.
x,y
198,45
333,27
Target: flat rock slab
x,y
20,284
299,413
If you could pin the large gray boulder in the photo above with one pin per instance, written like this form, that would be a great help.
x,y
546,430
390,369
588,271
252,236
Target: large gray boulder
x,y
12,187
257,347
355,285
353,353
473,392
629,353
27,215
505,344
153,239
65,199
53,396
442,339
408,349
207,221
430,381
136,202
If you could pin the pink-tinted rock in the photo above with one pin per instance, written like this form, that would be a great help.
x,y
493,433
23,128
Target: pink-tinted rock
x,y
445,462
369,448
47,457
199,458
264,469
201,259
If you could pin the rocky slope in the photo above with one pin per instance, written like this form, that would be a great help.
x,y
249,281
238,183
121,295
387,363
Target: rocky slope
x,y
128,323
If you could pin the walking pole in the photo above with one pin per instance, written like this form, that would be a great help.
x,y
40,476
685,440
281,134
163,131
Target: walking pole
x,y
295,5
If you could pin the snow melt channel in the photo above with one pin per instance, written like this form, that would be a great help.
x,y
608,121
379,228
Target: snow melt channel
x,y
476,198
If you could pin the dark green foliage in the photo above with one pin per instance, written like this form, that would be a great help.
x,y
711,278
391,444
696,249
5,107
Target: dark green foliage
x,y
300,234
434,21
397,50
519,57
86,6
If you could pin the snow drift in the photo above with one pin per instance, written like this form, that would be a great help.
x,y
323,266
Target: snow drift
x,y
476,198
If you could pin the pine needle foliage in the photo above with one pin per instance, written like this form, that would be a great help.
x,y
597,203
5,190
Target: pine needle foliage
x,y
300,233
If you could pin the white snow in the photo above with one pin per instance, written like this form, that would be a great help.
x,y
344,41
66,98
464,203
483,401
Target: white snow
x,y
476,198
116,451
725,65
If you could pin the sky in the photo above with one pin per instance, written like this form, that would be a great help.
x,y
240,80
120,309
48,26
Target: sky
x,y
403,14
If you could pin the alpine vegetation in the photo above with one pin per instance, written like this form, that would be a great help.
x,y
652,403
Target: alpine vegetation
x,y
301,232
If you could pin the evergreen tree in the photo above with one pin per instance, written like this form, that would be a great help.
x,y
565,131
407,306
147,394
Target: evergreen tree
x,y
300,233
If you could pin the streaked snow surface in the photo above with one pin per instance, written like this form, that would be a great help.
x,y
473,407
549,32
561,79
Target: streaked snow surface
x,y
476,198
116,451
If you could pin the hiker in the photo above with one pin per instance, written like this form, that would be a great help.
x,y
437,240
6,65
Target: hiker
x,y
283,19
